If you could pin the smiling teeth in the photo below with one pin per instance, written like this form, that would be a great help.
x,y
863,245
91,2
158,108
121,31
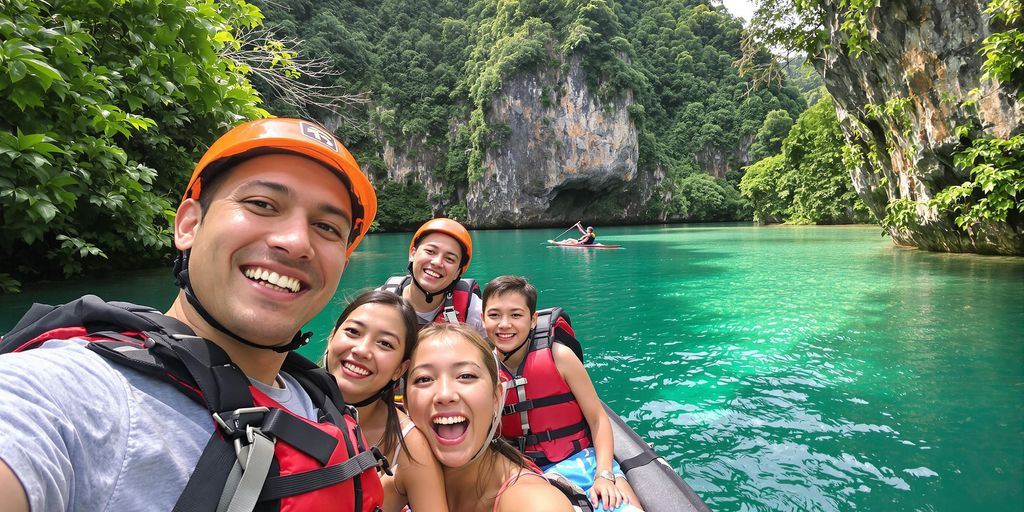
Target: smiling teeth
x,y
355,369
433,274
288,283
449,420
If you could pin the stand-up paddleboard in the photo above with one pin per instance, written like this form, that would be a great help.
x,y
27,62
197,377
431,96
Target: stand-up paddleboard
x,y
584,246
658,486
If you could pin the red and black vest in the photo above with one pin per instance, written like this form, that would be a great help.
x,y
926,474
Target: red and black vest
x,y
456,302
541,414
322,465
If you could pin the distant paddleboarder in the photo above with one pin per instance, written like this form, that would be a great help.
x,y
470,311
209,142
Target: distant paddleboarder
x,y
588,238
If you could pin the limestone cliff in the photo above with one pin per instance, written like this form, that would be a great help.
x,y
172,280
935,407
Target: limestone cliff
x,y
900,102
563,151
563,155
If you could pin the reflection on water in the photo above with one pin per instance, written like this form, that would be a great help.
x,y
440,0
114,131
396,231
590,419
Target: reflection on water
x,y
785,368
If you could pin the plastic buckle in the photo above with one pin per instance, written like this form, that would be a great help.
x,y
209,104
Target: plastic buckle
x,y
450,316
382,461
250,436
237,422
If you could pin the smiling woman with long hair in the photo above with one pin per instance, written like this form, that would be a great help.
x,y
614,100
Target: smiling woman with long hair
x,y
367,353
454,396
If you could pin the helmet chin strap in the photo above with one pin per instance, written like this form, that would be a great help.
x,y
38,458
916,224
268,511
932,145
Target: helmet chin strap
x,y
510,353
428,295
389,387
182,280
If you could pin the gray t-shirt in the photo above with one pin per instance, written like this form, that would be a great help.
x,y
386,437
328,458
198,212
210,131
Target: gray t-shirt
x,y
83,436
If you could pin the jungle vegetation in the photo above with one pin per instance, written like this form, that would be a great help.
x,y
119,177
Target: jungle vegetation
x,y
106,105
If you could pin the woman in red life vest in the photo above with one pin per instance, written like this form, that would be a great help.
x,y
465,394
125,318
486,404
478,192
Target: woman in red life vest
x,y
368,353
454,395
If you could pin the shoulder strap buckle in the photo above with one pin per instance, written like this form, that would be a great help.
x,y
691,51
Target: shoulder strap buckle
x,y
235,423
450,315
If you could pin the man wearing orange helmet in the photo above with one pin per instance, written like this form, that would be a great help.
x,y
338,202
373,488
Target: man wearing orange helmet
x,y
206,406
439,255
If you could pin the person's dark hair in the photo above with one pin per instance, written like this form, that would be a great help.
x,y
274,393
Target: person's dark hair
x,y
512,284
392,430
452,330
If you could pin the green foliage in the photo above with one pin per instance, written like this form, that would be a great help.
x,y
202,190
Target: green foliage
x,y
104,106
804,25
768,140
807,183
900,214
402,206
995,192
1004,50
704,198
694,99
764,185
9,284
457,212
519,36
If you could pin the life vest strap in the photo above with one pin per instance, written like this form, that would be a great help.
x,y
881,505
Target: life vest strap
x,y
301,435
206,484
541,458
527,405
278,487
247,478
551,435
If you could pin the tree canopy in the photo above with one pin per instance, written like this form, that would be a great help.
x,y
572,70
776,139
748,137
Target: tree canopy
x,y
104,106
806,183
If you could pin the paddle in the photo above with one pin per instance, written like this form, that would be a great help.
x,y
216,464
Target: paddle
x,y
566,231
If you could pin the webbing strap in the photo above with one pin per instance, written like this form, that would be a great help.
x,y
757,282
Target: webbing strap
x,y
223,385
450,315
255,459
526,405
304,437
541,459
640,460
278,487
207,480
524,419
550,435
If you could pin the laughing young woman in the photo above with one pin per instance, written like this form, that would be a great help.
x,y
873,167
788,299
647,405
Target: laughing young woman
x,y
368,352
453,394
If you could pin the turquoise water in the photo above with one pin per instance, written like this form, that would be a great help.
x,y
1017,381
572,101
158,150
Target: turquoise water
x,y
776,368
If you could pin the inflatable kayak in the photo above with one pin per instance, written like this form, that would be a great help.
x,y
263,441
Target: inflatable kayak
x,y
658,486
584,246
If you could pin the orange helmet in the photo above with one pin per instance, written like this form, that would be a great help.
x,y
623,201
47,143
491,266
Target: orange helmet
x,y
297,136
450,228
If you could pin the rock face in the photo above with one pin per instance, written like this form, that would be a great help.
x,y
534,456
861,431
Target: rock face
x,y
716,161
564,151
563,155
923,62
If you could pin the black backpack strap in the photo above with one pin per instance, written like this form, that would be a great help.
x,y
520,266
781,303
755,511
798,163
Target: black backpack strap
x,y
526,405
205,486
547,320
90,312
278,487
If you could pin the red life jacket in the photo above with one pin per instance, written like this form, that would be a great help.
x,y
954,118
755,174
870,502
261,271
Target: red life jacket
x,y
541,414
323,465
456,302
